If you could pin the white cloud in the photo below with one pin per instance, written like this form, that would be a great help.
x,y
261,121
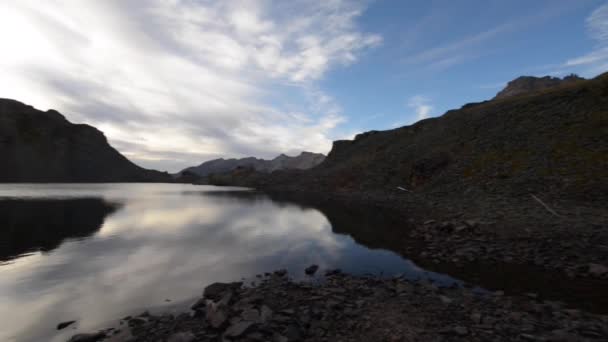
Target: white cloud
x,y
595,61
174,82
421,105
476,44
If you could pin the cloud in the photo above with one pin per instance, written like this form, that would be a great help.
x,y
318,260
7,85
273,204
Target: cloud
x,y
174,82
477,44
458,51
421,106
595,61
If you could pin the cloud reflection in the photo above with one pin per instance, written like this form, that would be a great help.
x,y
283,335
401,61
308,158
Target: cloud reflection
x,y
164,244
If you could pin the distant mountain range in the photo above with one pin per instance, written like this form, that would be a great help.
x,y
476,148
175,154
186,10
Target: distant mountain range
x,y
304,161
37,146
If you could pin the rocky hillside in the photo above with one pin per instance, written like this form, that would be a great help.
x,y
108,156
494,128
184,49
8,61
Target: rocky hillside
x,y
304,161
555,141
39,146
530,84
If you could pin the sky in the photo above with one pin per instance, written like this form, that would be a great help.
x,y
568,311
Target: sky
x,y
173,83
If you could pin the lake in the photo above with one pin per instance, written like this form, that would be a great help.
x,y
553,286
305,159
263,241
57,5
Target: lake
x,y
97,252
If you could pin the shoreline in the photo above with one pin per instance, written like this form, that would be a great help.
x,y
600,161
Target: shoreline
x,y
358,308
473,227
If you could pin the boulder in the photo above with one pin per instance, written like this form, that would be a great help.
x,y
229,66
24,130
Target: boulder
x,y
64,325
238,329
216,291
597,270
88,337
182,337
311,270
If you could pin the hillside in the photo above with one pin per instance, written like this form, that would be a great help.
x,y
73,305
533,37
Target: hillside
x,y
553,141
39,146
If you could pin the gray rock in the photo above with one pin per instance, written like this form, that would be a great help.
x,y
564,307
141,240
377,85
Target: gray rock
x,y
293,333
471,223
137,321
445,300
460,331
216,291
87,337
312,269
200,305
216,316
598,270
252,315
336,271
238,329
265,314
64,325
182,337
279,338
476,318
281,272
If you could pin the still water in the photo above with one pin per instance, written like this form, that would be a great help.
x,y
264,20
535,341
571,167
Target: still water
x,y
97,252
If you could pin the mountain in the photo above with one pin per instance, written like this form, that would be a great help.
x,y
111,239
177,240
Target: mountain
x,y
552,142
305,160
530,84
39,146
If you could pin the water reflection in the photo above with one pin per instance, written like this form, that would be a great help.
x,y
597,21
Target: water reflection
x,y
41,225
164,242
95,252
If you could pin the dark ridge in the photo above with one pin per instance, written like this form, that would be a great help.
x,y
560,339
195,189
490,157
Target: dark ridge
x,y
39,146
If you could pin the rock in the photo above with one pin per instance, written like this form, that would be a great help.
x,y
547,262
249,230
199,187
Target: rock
x,y
471,223
279,338
312,269
333,272
528,337
182,337
446,226
281,272
293,333
265,314
216,316
252,315
459,229
200,305
597,270
238,329
64,325
445,300
476,318
460,331
88,337
216,291
137,321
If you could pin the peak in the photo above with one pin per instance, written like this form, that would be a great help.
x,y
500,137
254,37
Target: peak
x,y
529,84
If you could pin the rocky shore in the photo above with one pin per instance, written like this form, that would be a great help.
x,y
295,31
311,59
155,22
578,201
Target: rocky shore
x,y
569,238
342,307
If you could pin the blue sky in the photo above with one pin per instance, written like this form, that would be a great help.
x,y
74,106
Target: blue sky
x,y
455,52
173,83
